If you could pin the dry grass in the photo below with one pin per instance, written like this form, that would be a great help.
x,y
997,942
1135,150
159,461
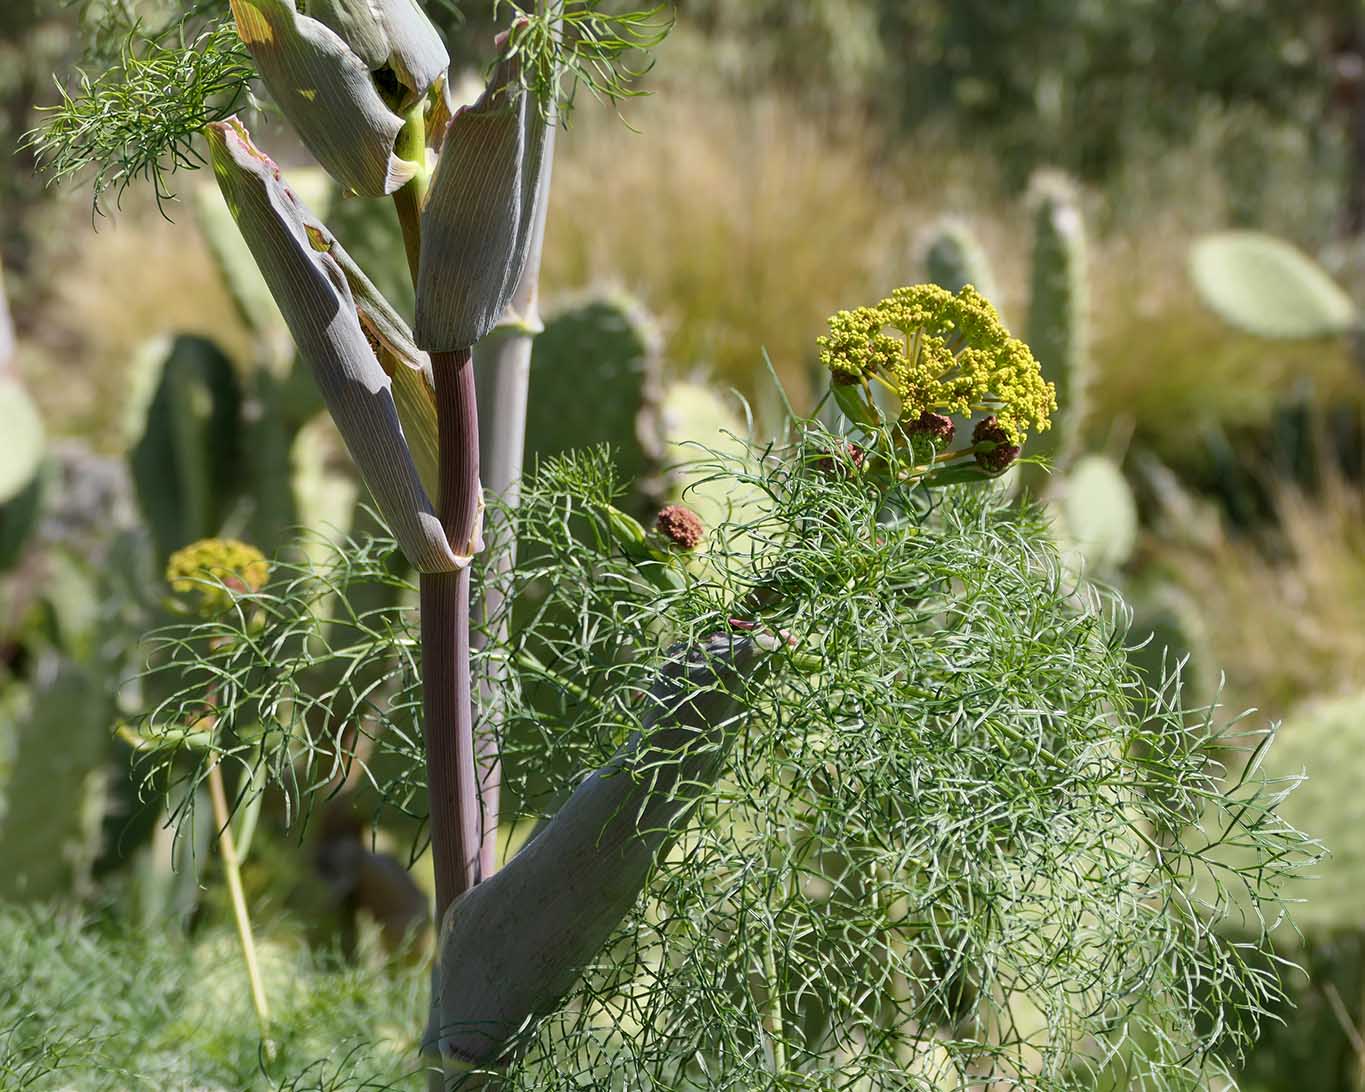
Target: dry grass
x,y
1284,612
113,285
742,224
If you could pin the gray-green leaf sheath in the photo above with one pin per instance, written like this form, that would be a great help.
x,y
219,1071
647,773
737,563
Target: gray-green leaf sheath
x,y
480,215
513,946
327,91
394,34
296,255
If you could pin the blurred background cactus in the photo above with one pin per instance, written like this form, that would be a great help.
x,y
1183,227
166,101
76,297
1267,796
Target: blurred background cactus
x,y
1269,287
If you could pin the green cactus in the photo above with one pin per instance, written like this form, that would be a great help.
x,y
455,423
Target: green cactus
x,y
695,417
1323,740
188,461
23,438
954,258
1267,287
325,492
1057,322
20,477
1097,515
595,378
18,520
56,744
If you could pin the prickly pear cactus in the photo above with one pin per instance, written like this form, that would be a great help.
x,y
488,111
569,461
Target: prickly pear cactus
x,y
1057,322
23,438
953,258
325,489
1097,515
187,462
1324,741
54,746
19,518
1267,287
595,378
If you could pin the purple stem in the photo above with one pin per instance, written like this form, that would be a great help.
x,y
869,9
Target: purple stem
x,y
456,824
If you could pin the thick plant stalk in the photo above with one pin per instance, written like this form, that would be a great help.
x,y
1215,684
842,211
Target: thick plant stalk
x,y
513,946
456,825
503,360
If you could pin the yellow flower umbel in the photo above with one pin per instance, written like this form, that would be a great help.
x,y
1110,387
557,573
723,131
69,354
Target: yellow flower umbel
x,y
939,354
208,576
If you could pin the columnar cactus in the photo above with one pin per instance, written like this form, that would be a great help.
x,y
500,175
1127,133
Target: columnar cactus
x,y
189,451
954,258
1058,319
1093,504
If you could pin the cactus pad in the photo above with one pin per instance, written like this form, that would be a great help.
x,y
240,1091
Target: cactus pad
x,y
52,784
23,439
188,462
1265,286
1098,514
1325,740
595,378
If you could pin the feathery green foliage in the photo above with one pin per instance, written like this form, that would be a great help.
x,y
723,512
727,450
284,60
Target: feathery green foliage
x,y
574,43
953,842
139,118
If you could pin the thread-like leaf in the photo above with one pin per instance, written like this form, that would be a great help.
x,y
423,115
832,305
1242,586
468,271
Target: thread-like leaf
x,y
1265,286
300,262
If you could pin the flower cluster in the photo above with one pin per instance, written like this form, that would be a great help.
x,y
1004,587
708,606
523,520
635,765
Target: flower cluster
x,y
208,576
940,354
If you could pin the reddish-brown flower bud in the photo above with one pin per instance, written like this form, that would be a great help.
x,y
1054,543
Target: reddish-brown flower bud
x,y
1005,451
848,457
938,429
681,526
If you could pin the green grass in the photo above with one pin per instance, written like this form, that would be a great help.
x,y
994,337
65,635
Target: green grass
x,y
91,1008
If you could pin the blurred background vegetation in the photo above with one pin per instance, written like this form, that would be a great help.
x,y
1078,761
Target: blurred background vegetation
x,y
793,157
